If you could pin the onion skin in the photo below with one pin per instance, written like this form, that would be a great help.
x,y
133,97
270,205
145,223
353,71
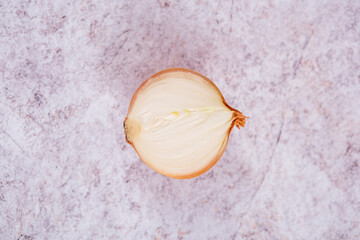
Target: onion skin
x,y
238,120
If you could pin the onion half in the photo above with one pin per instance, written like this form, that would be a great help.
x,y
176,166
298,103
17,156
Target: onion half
x,y
179,123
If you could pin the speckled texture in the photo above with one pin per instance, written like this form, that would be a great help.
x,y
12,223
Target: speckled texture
x,y
68,70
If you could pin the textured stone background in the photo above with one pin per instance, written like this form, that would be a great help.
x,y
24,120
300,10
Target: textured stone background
x,y
68,70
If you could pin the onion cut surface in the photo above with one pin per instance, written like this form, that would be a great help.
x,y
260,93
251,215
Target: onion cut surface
x,y
179,123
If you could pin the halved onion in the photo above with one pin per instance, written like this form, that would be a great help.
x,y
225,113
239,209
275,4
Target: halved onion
x,y
179,123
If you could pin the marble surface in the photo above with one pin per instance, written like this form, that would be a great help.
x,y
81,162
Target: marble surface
x,y
68,70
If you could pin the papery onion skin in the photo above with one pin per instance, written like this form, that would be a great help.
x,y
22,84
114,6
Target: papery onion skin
x,y
132,128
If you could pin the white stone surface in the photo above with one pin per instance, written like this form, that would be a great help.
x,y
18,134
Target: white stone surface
x,y
68,70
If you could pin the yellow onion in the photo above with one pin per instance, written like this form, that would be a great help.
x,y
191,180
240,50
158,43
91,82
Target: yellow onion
x,y
179,123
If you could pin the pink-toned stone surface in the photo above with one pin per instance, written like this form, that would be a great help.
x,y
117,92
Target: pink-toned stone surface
x,y
68,70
